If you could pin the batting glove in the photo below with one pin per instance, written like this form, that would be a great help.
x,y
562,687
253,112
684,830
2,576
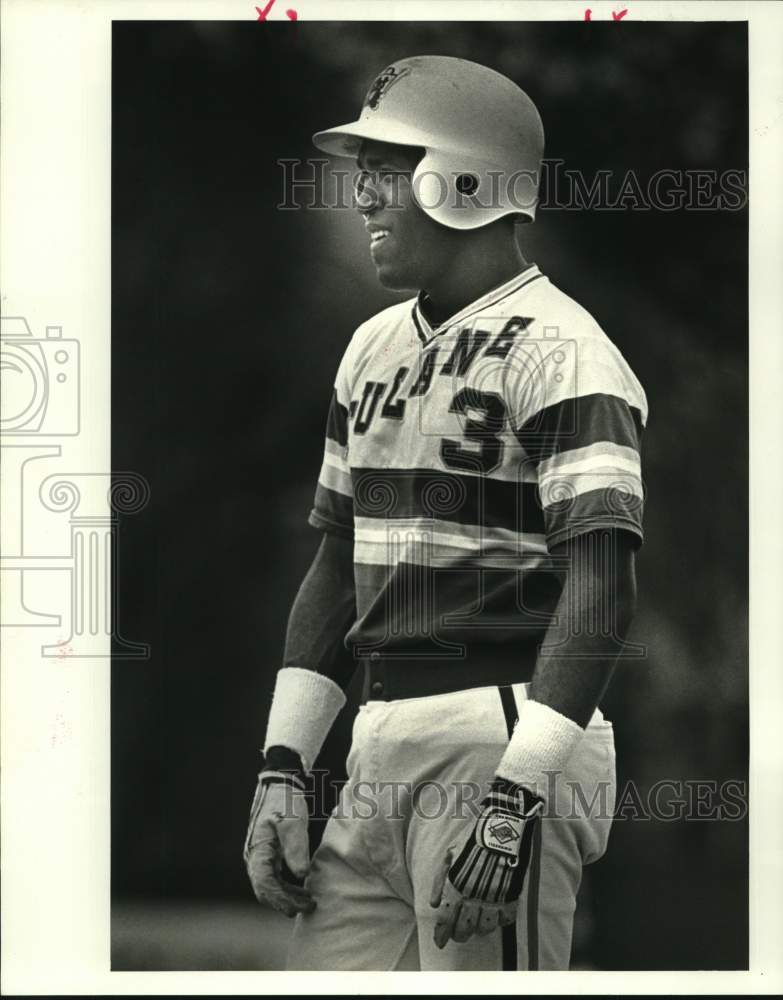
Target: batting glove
x,y
276,846
480,890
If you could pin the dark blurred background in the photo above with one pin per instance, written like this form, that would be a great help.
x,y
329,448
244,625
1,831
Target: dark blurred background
x,y
229,318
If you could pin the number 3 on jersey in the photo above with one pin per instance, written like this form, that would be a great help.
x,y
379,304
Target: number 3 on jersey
x,y
484,415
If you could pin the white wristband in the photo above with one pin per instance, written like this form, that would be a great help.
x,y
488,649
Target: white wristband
x,y
304,706
543,741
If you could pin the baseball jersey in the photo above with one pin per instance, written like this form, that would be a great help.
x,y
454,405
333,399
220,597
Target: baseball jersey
x,y
457,457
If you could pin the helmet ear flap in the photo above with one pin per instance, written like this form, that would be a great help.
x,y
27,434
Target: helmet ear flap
x,y
465,193
429,186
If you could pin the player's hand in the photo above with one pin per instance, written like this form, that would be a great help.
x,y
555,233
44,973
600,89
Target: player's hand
x,y
276,846
480,890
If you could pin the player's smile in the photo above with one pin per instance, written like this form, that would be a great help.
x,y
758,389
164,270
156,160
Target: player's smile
x,y
377,233
388,253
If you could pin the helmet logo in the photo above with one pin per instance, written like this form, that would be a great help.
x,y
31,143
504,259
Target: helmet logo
x,y
381,85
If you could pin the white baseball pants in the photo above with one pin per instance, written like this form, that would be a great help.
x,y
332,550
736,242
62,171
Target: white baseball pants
x,y
414,767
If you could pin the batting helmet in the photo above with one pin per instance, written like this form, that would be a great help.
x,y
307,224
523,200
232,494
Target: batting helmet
x,y
482,136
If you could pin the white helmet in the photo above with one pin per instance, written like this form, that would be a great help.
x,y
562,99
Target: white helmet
x,y
482,136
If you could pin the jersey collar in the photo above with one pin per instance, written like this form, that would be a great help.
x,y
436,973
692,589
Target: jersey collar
x,y
493,297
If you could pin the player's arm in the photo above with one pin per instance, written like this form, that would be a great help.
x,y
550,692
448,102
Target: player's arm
x,y
323,611
309,688
586,443
308,696
595,610
577,657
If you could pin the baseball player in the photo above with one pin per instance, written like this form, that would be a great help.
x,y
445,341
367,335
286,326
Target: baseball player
x,y
480,501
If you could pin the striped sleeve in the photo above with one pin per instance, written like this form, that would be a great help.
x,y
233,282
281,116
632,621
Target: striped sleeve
x,y
333,509
585,441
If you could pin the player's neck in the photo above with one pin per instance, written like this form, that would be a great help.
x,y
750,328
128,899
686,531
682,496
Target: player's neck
x,y
482,264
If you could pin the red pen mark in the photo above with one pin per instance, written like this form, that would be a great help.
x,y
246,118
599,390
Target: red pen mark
x,y
616,16
63,649
262,13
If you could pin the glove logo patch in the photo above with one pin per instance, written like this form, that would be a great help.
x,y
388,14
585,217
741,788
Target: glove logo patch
x,y
502,832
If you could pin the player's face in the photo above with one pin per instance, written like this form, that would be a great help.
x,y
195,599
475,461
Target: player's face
x,y
408,248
